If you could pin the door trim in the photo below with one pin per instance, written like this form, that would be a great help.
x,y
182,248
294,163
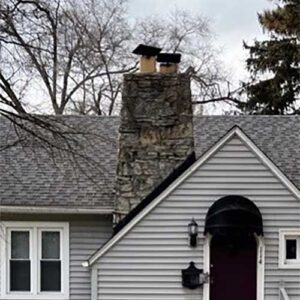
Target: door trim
x,y
260,266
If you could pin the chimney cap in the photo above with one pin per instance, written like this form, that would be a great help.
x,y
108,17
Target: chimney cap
x,y
146,50
169,58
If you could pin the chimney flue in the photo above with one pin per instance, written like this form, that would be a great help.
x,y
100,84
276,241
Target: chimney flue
x,y
168,62
147,58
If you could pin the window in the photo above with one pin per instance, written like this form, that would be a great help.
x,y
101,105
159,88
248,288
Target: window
x,y
289,248
36,258
19,263
50,263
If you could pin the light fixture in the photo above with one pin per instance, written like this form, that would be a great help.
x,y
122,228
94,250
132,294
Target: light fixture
x,y
193,232
191,276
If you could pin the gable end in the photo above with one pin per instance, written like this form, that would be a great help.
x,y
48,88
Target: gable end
x,y
150,205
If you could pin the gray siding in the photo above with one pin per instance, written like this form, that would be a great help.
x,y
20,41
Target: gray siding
x,y
85,238
87,234
146,263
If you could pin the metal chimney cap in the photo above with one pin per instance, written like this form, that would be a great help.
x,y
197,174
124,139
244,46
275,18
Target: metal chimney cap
x,y
146,50
169,58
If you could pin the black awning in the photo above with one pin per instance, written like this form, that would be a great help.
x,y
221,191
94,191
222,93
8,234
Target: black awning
x,y
233,215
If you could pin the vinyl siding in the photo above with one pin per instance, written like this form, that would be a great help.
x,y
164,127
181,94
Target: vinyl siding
x,y
85,238
146,263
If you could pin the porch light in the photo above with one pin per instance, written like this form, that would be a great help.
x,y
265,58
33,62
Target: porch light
x,y
193,232
191,276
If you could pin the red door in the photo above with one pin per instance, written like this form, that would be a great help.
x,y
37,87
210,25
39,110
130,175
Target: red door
x,y
233,268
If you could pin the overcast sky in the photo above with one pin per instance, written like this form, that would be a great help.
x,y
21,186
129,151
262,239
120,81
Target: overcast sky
x,y
232,21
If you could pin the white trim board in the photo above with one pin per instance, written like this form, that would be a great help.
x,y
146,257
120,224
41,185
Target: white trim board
x,y
234,131
53,210
284,234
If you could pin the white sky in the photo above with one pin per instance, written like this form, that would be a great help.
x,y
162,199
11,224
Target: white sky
x,y
232,21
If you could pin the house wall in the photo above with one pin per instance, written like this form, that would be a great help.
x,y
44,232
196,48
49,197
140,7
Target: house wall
x,y
146,263
85,238
87,234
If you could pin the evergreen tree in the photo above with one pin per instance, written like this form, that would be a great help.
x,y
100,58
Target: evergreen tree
x,y
274,64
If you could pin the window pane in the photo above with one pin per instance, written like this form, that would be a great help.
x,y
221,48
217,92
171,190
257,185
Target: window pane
x,y
291,249
20,275
20,244
50,275
50,245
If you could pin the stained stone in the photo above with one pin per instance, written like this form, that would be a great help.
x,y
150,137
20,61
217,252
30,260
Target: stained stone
x,y
155,135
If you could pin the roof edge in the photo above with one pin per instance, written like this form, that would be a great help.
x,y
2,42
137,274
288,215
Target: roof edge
x,y
53,210
191,158
268,162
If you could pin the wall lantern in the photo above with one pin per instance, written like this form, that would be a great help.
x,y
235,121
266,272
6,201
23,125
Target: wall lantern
x,y
193,232
193,277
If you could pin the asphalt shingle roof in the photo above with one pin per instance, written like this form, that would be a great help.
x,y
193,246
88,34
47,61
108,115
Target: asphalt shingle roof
x,y
31,175
277,136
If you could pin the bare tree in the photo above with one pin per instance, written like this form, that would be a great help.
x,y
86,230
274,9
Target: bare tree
x,y
71,50
77,51
109,36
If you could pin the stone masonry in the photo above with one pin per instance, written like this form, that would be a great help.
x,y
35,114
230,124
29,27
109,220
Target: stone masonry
x,y
155,135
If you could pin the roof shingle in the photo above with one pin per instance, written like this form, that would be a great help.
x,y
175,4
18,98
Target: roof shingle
x,y
32,176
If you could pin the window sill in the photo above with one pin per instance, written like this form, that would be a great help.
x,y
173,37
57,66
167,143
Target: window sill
x,y
30,296
291,265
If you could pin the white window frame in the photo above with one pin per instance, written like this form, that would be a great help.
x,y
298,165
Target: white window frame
x,y
35,229
285,234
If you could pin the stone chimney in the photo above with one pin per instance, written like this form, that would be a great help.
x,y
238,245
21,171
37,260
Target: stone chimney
x,y
155,135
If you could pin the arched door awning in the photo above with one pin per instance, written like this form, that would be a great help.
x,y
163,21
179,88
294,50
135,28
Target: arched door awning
x,y
233,215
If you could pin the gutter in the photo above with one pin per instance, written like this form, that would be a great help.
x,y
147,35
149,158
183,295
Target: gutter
x,y
54,210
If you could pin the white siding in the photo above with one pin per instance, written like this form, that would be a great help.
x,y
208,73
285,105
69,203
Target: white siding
x,y
146,263
85,238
